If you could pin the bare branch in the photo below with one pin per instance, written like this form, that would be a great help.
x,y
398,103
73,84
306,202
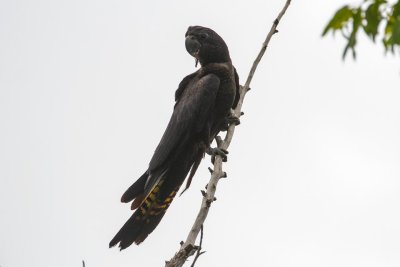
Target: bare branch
x,y
188,248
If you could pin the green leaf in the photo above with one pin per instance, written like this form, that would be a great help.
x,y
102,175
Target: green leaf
x,y
339,20
391,37
369,15
352,40
373,18
396,10
395,38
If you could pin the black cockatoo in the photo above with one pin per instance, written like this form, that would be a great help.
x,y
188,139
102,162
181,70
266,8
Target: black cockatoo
x,y
203,103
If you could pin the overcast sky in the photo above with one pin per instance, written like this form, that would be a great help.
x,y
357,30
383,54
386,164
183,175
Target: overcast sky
x,y
86,91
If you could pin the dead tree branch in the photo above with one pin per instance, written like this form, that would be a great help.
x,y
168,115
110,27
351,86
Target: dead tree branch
x,y
188,248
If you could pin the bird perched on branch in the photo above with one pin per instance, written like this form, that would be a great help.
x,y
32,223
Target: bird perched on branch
x,y
203,108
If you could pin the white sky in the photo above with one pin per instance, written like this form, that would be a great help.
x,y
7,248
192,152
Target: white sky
x,y
86,90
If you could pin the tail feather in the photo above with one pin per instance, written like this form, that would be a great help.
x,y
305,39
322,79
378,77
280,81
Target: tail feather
x,y
135,230
193,170
135,190
145,219
137,201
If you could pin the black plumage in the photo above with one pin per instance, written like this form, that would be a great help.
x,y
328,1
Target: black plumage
x,y
203,102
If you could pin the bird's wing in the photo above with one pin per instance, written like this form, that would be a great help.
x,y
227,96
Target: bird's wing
x,y
190,113
183,84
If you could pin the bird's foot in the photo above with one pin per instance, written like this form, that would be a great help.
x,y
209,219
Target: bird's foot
x,y
229,120
217,152
232,119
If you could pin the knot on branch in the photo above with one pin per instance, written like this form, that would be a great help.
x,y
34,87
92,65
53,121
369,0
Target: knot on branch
x,y
190,249
181,256
209,201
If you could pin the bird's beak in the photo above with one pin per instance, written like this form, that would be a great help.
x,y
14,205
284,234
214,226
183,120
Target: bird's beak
x,y
192,46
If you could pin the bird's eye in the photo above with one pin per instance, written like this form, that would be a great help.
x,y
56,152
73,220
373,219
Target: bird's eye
x,y
203,35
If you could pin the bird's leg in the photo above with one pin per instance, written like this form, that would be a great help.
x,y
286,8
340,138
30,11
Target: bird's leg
x,y
217,152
